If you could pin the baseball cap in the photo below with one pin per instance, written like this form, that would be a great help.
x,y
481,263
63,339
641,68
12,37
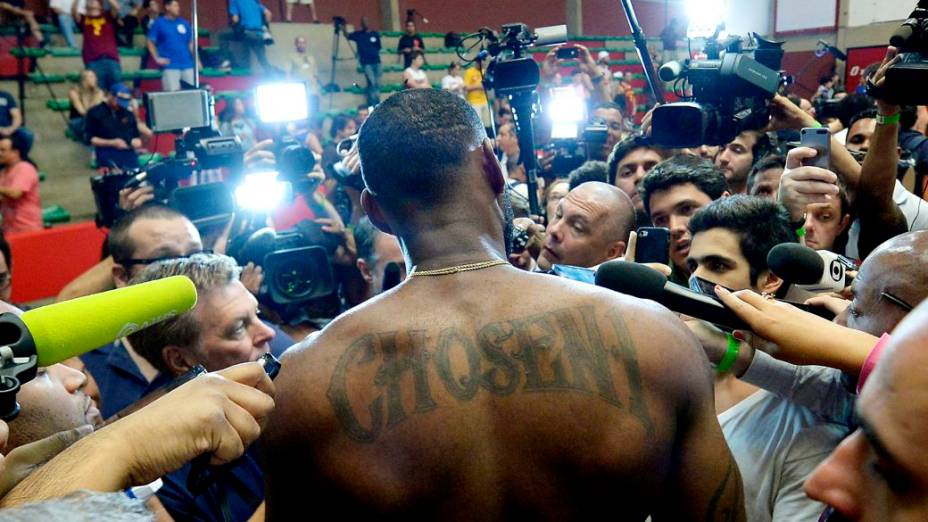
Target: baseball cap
x,y
603,55
122,93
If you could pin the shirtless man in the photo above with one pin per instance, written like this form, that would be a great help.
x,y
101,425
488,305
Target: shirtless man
x,y
445,398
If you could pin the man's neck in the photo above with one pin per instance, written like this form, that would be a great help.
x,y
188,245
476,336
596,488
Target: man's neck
x,y
170,16
729,392
147,370
452,244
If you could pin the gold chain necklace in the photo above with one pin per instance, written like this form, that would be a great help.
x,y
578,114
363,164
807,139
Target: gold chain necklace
x,y
469,267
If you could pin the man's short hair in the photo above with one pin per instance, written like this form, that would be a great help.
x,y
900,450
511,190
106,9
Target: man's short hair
x,y
851,105
825,79
339,123
624,148
19,142
414,144
760,224
589,171
607,106
762,145
770,161
679,170
207,271
866,114
119,244
365,234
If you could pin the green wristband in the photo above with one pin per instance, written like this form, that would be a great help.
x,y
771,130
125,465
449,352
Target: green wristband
x,y
888,120
801,232
734,346
817,125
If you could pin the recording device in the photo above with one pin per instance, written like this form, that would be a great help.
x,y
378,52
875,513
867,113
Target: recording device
x,y
814,271
730,93
822,48
204,205
567,53
817,138
905,80
178,110
513,74
295,264
653,245
640,281
340,171
284,102
53,333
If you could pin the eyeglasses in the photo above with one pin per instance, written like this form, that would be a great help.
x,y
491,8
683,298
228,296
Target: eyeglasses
x,y
897,301
150,261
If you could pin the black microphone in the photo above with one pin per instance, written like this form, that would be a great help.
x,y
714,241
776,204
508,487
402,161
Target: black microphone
x,y
391,276
645,283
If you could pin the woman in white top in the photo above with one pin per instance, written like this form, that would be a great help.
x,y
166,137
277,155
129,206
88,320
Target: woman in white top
x,y
414,77
452,81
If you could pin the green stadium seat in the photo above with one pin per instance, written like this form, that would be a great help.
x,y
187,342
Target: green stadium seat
x,y
55,214
28,52
131,51
64,52
45,78
59,104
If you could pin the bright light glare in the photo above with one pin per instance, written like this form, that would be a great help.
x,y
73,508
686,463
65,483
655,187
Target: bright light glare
x,y
704,17
260,191
281,102
566,105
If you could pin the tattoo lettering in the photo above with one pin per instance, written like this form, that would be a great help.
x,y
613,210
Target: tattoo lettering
x,y
559,351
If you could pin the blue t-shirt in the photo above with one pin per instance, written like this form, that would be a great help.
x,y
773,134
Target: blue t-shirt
x,y
172,39
249,12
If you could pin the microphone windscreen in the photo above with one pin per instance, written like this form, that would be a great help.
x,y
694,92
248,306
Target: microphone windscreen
x,y
796,264
632,279
63,330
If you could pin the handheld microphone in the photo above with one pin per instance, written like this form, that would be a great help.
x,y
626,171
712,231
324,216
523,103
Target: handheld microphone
x,y
645,283
391,276
814,271
56,332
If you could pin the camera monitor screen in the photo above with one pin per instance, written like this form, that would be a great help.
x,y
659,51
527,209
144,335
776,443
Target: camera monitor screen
x,y
172,111
281,102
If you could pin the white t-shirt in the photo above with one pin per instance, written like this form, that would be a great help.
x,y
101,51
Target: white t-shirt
x,y
454,84
914,208
777,444
416,74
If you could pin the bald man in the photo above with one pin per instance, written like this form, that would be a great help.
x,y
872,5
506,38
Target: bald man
x,y
591,226
880,472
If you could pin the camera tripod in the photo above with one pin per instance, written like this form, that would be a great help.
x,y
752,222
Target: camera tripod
x,y
332,87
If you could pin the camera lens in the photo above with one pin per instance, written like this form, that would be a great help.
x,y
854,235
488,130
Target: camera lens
x,y
294,279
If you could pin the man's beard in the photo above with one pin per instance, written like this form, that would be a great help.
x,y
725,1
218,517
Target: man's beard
x,y
508,218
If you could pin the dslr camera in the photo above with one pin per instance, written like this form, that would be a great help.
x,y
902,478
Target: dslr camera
x,y
730,92
905,80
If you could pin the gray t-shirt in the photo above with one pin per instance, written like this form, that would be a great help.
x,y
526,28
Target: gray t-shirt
x,y
777,444
914,208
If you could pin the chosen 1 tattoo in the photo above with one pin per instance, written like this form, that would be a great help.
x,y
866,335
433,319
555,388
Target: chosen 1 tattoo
x,y
558,351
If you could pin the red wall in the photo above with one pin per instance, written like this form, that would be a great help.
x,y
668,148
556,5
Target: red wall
x,y
469,15
806,70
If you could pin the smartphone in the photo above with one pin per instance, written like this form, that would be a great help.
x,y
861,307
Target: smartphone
x,y
567,53
817,138
653,245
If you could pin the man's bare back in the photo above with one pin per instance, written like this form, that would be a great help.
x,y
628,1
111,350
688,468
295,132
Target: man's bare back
x,y
498,394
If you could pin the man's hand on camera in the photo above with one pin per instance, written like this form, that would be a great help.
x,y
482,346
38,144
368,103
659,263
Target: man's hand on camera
x,y
879,80
785,114
252,276
801,186
133,198
25,459
260,155
218,414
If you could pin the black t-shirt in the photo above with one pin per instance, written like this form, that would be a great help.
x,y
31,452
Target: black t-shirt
x,y
368,43
7,103
103,122
409,42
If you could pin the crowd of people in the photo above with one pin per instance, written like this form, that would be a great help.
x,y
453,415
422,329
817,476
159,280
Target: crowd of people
x,y
463,365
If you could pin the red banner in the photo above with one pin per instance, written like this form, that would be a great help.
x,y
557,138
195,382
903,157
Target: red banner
x,y
858,58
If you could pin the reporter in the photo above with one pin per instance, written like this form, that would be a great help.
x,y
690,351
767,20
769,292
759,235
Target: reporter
x,y
218,414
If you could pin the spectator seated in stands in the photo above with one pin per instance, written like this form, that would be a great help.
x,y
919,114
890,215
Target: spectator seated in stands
x,y
86,95
113,131
19,187
11,119
414,76
453,82
237,121
100,53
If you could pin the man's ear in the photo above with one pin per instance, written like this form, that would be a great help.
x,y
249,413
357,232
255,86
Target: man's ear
x,y
845,222
374,212
725,194
120,276
178,360
616,250
769,282
365,270
492,168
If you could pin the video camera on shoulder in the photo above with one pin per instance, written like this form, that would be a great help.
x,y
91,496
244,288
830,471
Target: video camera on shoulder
x,y
730,92
905,80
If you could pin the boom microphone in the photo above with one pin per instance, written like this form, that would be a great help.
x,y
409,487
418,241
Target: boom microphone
x,y
56,332
645,283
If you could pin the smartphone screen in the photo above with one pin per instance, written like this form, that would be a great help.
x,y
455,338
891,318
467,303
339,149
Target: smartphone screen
x,y
817,138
